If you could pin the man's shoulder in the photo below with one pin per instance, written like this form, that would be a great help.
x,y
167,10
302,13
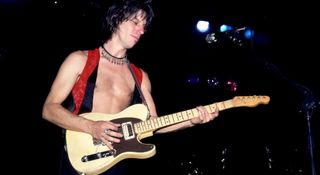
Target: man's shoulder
x,y
75,57
79,53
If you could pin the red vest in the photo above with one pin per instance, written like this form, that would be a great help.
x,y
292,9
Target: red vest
x,y
79,88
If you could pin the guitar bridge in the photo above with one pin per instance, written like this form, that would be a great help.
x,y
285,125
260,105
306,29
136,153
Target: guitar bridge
x,y
127,130
98,155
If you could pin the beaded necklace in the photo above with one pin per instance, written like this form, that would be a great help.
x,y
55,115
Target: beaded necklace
x,y
112,59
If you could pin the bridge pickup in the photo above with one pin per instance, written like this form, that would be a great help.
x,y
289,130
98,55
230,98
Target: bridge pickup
x,y
98,155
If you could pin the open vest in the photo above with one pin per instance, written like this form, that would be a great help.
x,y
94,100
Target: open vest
x,y
82,92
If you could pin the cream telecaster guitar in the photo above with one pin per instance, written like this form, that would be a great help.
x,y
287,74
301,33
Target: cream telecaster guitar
x,y
90,156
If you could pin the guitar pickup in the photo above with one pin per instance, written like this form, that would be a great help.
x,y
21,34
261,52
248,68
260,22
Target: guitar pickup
x,y
127,130
96,156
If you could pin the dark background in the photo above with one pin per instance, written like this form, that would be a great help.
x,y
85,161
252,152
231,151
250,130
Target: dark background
x,y
280,61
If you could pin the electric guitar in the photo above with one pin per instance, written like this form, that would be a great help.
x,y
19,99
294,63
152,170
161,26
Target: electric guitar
x,y
91,156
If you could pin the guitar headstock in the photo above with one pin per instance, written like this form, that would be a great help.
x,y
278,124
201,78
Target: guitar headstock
x,y
250,101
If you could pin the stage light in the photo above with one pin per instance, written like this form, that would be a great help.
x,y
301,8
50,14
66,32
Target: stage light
x,y
232,85
193,79
213,81
202,26
248,33
225,28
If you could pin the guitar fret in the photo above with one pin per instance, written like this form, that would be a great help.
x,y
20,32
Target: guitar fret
x,y
153,124
190,112
212,107
221,106
137,127
149,126
156,124
166,119
193,111
175,118
179,117
187,114
161,122
143,126
171,119
184,116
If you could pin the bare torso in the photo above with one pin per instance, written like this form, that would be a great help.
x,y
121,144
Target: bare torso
x,y
114,87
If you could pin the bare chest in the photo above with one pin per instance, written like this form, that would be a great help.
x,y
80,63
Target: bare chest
x,y
115,82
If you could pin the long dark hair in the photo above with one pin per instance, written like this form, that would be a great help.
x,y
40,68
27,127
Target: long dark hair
x,y
123,10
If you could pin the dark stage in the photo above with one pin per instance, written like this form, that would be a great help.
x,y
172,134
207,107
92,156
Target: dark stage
x,y
279,62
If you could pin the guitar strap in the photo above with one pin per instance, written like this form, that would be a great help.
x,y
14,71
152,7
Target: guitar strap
x,y
136,71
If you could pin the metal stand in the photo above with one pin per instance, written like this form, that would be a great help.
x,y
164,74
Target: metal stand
x,y
309,104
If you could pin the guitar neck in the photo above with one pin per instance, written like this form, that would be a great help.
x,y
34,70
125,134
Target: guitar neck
x,y
167,120
237,101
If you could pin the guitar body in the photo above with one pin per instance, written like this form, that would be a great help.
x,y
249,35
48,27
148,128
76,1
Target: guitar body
x,y
90,156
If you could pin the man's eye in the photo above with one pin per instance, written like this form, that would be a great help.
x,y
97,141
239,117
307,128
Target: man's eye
x,y
135,22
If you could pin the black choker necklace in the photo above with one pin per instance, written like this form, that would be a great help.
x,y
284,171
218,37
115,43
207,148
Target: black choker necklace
x,y
112,59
